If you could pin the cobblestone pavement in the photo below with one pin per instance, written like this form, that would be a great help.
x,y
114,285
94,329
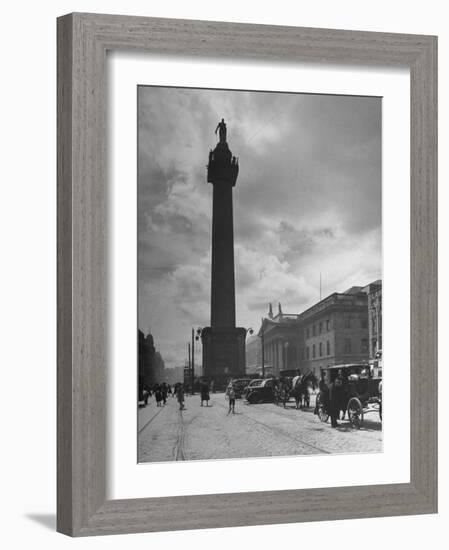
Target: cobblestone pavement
x,y
166,433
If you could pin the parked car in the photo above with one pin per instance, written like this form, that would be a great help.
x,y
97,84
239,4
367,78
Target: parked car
x,y
262,391
253,382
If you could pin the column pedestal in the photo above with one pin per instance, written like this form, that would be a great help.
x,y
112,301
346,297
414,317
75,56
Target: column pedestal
x,y
223,354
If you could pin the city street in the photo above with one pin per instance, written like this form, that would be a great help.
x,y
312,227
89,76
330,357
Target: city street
x,y
201,433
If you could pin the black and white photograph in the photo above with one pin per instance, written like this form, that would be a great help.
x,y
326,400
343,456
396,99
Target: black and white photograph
x,y
259,274
220,219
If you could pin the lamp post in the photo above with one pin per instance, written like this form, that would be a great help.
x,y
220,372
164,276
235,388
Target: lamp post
x,y
192,372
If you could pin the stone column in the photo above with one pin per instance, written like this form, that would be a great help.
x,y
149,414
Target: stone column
x,y
223,342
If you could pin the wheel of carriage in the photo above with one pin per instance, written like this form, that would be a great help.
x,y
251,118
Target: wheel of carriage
x,y
322,413
355,412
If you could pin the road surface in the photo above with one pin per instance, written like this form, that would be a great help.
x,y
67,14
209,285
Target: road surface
x,y
201,433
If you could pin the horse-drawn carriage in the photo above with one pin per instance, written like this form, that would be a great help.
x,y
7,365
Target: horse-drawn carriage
x,y
298,387
361,392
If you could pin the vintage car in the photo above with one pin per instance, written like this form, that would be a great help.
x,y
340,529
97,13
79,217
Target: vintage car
x,y
251,383
362,392
261,391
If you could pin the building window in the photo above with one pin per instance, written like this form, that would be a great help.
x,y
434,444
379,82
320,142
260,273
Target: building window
x,y
364,345
321,349
347,322
321,327
313,351
307,353
307,333
314,330
347,345
364,323
328,348
328,325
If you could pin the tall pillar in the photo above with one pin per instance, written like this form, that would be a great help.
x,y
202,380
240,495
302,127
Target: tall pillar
x,y
223,342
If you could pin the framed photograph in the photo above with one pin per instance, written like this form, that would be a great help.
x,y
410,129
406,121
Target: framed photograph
x,y
247,232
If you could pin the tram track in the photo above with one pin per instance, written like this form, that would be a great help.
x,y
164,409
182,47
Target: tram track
x,y
179,448
179,454
149,421
284,433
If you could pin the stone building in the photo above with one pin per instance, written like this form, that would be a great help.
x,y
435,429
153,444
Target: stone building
x,y
374,292
335,331
342,328
151,363
279,335
146,353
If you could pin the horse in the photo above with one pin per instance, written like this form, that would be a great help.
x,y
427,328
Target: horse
x,y
300,389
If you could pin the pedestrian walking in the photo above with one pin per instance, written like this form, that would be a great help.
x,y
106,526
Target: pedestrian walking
x,y
158,396
230,393
205,393
146,395
180,396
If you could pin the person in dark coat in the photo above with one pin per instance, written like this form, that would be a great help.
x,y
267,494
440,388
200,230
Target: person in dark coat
x,y
158,395
180,396
164,391
205,393
336,397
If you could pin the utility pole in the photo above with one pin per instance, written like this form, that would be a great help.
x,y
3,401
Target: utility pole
x,y
190,364
263,350
193,360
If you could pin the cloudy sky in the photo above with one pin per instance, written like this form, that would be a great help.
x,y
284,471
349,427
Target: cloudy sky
x,y
307,201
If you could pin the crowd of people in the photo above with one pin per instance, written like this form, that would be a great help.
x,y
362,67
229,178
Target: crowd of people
x,y
162,391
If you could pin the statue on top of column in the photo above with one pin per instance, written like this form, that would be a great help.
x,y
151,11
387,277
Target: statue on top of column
x,y
221,128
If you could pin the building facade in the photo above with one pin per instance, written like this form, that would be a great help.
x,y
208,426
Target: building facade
x,y
342,328
151,364
374,292
335,331
279,337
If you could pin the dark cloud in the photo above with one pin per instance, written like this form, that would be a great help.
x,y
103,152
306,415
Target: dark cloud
x,y
307,201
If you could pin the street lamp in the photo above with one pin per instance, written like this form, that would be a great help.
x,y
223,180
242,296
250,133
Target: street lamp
x,y
192,372
262,335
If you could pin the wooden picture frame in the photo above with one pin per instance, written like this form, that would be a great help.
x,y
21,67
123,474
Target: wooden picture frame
x,y
83,40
